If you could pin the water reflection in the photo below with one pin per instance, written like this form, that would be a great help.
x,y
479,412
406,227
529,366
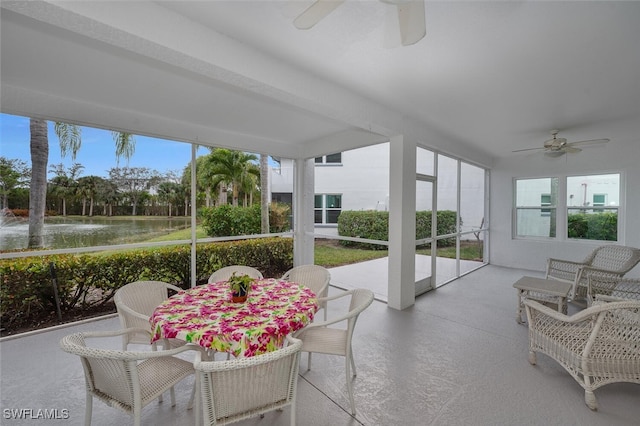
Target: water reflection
x,y
61,232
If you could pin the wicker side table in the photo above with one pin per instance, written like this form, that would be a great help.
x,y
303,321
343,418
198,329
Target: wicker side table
x,y
552,293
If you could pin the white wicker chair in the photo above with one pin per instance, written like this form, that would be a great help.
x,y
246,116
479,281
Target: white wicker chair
x,y
225,273
236,389
613,260
126,380
613,287
313,276
135,303
317,337
597,346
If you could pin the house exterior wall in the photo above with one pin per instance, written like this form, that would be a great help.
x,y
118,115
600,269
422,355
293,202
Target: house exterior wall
x,y
362,178
362,181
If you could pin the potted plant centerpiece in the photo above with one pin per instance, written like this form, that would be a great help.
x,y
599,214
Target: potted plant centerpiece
x,y
239,285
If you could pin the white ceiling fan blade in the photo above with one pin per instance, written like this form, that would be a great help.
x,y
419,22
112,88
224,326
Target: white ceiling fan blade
x,y
528,149
314,13
571,149
591,142
412,21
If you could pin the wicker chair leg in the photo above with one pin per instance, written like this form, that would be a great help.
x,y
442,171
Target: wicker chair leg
x,y
353,362
192,398
309,362
137,415
172,392
532,358
590,400
350,386
87,409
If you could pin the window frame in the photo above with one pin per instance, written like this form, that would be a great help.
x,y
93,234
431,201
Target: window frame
x,y
325,160
324,210
562,212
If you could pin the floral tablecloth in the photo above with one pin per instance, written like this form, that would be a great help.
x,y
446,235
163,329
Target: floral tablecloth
x,y
205,315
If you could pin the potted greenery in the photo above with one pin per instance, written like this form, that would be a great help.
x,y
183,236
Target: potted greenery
x,y
239,285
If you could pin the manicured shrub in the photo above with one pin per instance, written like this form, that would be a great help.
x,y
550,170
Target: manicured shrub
x,y
596,226
227,220
374,225
90,280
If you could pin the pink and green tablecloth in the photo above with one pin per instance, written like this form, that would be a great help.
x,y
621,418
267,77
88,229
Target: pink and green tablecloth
x,y
205,315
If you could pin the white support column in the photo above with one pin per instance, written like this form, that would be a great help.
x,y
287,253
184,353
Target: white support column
x,y
303,222
194,275
402,222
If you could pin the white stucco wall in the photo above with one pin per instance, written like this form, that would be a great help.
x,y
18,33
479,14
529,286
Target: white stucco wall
x,y
362,178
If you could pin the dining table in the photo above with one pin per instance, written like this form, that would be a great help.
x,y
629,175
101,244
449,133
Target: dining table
x,y
206,315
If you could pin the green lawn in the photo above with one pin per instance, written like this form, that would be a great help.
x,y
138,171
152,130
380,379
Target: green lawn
x,y
184,234
329,253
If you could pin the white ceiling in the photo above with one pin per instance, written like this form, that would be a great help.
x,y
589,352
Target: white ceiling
x,y
488,78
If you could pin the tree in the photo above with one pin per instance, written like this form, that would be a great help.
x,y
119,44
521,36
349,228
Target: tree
x,y
13,174
65,182
107,192
133,182
232,168
88,189
70,141
170,193
39,145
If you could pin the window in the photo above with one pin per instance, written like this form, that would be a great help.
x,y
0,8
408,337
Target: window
x,y
545,200
599,200
536,207
330,159
592,207
592,204
327,208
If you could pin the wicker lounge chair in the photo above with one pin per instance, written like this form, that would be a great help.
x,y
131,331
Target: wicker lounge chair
x,y
317,337
313,276
612,287
126,380
611,260
225,273
597,346
236,389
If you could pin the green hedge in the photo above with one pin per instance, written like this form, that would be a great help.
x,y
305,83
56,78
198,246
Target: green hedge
x,y
374,225
227,220
87,280
599,226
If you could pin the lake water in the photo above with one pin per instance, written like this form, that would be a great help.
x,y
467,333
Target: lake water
x,y
77,231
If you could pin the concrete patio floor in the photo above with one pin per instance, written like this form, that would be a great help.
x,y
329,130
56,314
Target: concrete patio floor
x,y
457,357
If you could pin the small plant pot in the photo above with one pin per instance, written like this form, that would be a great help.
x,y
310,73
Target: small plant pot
x,y
237,298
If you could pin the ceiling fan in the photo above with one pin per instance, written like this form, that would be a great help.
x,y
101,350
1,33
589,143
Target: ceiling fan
x,y
410,17
556,147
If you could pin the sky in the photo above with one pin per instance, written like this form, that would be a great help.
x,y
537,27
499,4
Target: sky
x,y
97,153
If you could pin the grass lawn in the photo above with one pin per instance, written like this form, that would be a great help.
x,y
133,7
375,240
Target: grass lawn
x,y
184,234
329,253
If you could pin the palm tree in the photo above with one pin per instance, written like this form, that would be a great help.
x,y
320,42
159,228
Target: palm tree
x,y
65,182
70,141
39,146
107,192
88,189
232,168
170,193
